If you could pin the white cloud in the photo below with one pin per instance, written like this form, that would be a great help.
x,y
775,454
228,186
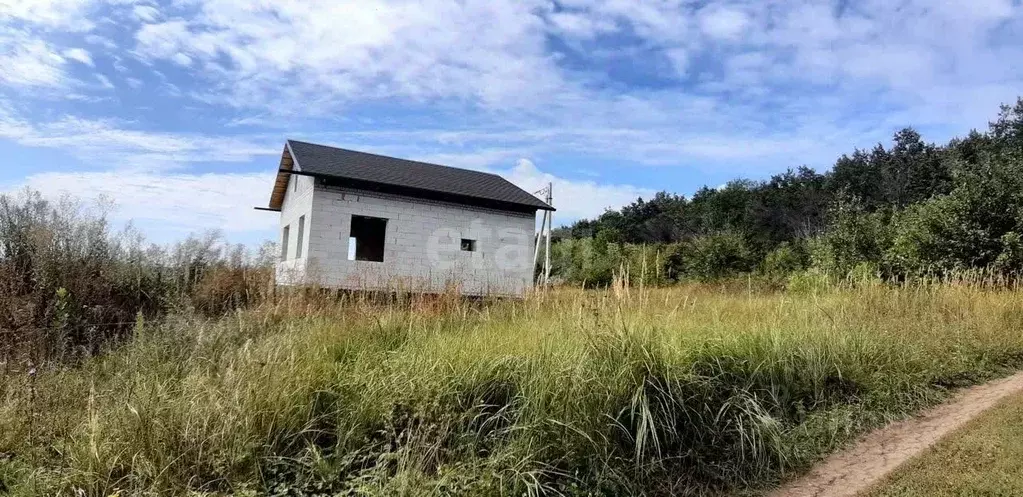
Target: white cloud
x,y
102,41
747,85
52,14
904,47
574,199
487,52
163,39
28,59
493,60
146,13
106,142
182,59
577,25
104,82
171,205
179,203
652,143
79,55
679,58
663,23
722,22
30,64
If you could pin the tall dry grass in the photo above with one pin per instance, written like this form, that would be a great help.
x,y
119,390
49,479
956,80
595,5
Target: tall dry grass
x,y
659,391
71,286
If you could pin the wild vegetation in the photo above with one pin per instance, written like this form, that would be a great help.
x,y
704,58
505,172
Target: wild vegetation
x,y
657,391
733,338
69,285
910,210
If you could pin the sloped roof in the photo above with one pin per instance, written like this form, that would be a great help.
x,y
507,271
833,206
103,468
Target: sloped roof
x,y
400,176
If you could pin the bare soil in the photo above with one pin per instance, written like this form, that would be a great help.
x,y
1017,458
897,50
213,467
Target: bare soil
x,y
876,454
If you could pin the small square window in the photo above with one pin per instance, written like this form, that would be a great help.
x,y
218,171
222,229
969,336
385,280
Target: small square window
x,y
468,245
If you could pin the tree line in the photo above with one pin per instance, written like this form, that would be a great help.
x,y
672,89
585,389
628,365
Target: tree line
x,y
908,210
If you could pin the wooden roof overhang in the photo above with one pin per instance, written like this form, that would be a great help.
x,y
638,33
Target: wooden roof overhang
x,y
281,183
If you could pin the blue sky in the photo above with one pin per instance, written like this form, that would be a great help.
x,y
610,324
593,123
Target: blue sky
x,y
178,110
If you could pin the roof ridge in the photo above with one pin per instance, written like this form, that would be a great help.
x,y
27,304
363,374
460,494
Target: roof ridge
x,y
398,158
354,165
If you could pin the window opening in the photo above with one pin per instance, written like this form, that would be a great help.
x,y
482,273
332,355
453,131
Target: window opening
x,y
367,238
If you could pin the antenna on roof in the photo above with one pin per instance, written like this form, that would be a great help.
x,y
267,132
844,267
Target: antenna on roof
x,y
544,235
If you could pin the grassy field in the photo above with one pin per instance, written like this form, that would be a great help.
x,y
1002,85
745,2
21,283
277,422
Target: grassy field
x,y
682,390
983,458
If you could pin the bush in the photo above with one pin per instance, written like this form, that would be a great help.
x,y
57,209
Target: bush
x,y
1010,260
935,237
853,236
716,256
225,288
784,260
580,261
645,263
69,285
973,227
810,281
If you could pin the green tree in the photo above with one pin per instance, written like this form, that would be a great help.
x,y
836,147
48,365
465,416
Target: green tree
x,y
968,228
716,256
854,236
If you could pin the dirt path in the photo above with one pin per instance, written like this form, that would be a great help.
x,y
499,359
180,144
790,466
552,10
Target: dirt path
x,y
876,454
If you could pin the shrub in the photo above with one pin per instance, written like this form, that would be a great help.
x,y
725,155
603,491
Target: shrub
x,y
784,260
973,227
645,263
716,256
69,285
1010,260
810,281
585,261
853,236
225,288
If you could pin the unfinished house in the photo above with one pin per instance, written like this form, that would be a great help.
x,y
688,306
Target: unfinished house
x,y
362,221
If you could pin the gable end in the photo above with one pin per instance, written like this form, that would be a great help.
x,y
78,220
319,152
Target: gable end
x,y
284,173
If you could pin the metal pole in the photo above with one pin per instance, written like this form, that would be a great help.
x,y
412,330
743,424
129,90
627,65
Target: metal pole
x,y
550,222
536,244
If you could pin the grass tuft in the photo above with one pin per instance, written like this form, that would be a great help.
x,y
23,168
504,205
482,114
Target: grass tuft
x,y
685,390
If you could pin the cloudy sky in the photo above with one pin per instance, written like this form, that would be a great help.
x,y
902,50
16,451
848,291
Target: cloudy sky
x,y
178,110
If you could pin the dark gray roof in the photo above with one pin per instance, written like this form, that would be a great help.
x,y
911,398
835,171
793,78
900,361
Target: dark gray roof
x,y
411,177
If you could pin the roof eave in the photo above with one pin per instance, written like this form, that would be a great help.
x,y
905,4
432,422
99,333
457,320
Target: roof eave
x,y
290,166
426,194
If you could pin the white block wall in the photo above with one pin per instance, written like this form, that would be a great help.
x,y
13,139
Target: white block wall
x,y
422,245
298,202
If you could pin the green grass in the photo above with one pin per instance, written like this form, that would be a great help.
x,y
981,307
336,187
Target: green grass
x,y
985,457
685,390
